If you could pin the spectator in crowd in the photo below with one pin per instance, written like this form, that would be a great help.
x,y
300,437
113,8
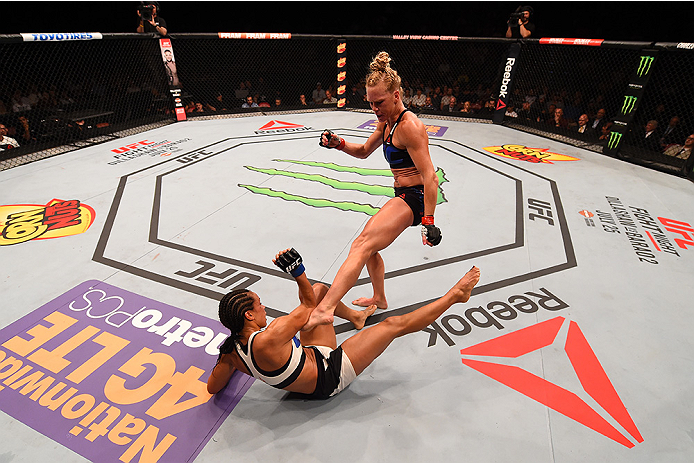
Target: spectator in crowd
x,y
419,99
671,133
557,101
648,136
20,103
489,108
599,121
302,100
318,94
451,104
190,106
681,151
467,108
531,97
519,25
548,114
511,111
249,103
150,21
436,97
583,126
446,99
262,90
329,98
559,121
278,102
407,98
264,103
688,168
574,108
218,103
524,112
6,142
34,95
428,105
242,92
355,97
25,132
199,108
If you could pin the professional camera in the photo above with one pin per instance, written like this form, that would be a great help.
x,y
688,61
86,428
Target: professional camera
x,y
518,14
146,11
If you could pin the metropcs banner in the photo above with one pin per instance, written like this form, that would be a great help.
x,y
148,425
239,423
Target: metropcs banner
x,y
115,376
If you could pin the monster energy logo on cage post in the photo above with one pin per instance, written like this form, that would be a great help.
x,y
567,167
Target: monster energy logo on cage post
x,y
613,141
374,190
645,65
629,104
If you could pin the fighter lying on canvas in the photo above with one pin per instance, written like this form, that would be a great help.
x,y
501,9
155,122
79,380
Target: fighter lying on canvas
x,y
314,366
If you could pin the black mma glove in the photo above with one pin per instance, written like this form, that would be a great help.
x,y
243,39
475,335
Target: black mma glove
x,y
290,262
430,232
330,137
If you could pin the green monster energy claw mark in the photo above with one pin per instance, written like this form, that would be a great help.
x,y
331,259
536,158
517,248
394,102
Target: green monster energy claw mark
x,y
629,104
645,65
374,190
314,202
614,139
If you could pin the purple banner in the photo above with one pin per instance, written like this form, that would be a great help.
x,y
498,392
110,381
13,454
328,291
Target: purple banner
x,y
432,130
115,376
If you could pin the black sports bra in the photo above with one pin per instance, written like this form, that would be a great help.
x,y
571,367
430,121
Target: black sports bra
x,y
396,157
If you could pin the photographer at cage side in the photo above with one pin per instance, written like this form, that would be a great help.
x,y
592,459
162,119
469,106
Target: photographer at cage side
x,y
149,20
519,25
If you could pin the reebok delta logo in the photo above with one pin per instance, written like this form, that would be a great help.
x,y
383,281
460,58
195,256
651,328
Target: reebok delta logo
x,y
281,127
584,362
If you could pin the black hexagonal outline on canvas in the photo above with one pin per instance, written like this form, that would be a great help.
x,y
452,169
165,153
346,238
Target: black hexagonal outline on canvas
x,y
154,223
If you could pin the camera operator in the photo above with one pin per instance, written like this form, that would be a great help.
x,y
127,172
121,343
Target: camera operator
x,y
519,25
149,21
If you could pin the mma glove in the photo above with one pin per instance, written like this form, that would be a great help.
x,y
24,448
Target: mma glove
x,y
332,141
291,262
430,232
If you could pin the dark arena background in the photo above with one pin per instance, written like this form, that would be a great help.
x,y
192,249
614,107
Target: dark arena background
x,y
138,185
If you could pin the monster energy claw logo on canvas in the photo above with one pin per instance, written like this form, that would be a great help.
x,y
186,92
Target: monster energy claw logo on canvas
x,y
645,65
340,185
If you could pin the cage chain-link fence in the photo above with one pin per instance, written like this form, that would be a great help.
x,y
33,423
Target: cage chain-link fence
x,y
55,97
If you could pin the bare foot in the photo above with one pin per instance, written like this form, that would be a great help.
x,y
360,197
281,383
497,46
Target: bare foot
x,y
461,291
319,317
368,301
362,315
